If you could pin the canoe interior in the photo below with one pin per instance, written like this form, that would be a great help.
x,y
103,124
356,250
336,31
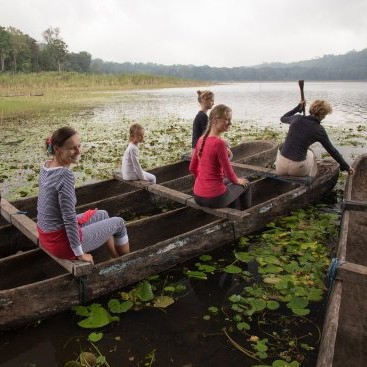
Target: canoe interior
x,y
263,188
356,237
127,205
359,180
259,153
351,338
16,271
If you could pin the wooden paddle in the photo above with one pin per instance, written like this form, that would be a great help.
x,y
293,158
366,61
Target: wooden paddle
x,y
301,84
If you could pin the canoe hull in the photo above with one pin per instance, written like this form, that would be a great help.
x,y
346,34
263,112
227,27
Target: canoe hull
x,y
185,232
344,333
110,194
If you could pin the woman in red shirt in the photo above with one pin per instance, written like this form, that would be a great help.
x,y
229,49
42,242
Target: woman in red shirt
x,y
216,184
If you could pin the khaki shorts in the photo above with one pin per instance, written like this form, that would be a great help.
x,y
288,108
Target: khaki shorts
x,y
286,167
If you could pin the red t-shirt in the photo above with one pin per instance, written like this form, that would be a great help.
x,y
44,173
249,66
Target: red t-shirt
x,y
211,168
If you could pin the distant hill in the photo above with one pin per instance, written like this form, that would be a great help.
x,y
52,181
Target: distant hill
x,y
350,66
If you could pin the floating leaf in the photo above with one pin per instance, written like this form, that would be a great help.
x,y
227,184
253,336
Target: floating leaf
x,y
244,256
197,275
98,317
95,337
297,302
163,301
88,359
232,269
272,305
213,309
205,257
144,291
206,268
243,326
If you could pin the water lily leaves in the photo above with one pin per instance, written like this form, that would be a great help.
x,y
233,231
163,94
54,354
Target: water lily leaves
x,y
97,317
197,275
243,256
232,269
163,301
95,337
291,267
144,291
205,257
87,359
315,294
272,305
213,309
205,268
115,306
298,306
270,269
256,304
243,326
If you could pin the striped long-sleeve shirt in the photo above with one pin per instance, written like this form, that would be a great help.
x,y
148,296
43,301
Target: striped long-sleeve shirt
x,y
56,204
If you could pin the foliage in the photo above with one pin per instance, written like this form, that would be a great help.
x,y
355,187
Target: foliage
x,y
141,295
291,260
54,56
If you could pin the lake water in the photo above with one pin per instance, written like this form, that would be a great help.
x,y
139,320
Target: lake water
x,y
254,104
180,336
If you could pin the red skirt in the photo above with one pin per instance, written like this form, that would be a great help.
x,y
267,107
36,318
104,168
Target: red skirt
x,y
57,242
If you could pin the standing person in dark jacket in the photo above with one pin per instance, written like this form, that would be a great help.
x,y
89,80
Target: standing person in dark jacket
x,y
206,100
294,156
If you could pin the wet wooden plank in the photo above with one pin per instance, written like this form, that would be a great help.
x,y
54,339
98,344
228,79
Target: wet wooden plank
x,y
140,184
354,205
29,228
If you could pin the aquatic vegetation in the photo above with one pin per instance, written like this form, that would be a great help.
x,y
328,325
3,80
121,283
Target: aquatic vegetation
x,y
278,276
290,259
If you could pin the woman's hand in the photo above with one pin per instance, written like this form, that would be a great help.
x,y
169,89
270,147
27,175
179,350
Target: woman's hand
x,y
243,181
351,171
87,258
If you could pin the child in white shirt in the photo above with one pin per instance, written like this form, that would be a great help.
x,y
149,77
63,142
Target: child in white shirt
x,y
131,169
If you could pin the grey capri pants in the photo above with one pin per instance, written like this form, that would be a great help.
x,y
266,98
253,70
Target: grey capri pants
x,y
236,196
99,228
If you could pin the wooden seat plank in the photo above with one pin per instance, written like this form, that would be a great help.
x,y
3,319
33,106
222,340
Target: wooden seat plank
x,y
29,228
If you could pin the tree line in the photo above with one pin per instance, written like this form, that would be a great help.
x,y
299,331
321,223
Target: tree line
x,y
351,66
21,53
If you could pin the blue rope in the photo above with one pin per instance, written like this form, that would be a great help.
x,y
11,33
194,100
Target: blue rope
x,y
331,274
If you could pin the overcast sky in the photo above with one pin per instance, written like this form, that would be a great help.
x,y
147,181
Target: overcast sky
x,y
199,32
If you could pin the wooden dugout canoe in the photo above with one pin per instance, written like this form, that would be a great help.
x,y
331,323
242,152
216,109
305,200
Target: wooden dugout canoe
x,y
345,326
157,243
105,194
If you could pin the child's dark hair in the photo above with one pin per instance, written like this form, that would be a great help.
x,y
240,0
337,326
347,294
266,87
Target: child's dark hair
x,y
58,138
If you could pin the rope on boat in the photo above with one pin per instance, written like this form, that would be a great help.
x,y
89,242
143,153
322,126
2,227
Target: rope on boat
x,y
83,289
331,274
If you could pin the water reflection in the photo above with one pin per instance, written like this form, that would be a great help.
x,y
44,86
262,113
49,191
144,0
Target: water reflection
x,y
262,103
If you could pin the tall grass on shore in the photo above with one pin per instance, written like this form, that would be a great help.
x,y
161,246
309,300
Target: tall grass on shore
x,y
46,81
28,95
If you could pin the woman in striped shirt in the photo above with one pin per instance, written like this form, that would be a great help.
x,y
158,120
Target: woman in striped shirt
x,y
61,231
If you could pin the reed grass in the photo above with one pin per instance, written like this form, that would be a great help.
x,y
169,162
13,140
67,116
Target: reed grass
x,y
47,81
27,95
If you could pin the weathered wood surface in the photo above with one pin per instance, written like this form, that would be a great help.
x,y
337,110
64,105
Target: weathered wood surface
x,y
354,205
345,326
185,233
262,153
29,228
269,194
